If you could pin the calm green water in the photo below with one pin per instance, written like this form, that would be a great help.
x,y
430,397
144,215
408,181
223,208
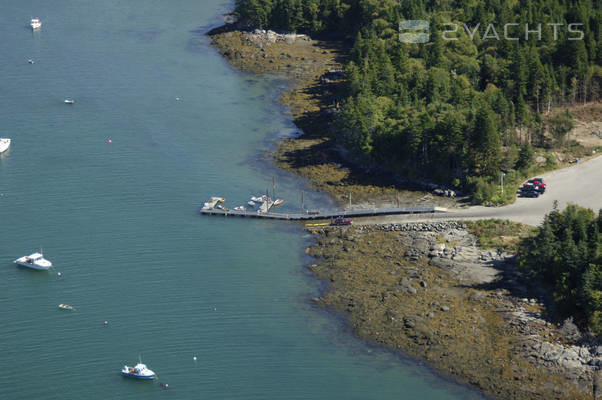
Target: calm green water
x,y
120,221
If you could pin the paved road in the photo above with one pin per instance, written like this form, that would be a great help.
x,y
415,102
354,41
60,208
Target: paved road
x,y
580,184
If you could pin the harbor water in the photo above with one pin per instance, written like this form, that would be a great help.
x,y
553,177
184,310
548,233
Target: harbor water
x,y
110,188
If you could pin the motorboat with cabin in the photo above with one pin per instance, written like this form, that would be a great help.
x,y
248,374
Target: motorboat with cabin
x,y
139,371
34,261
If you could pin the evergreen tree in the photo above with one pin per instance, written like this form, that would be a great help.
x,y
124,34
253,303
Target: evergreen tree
x,y
486,142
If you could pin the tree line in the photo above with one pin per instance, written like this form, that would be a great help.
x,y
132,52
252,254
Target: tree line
x,y
456,111
566,257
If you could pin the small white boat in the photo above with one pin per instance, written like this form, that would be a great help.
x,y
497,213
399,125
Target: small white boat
x,y
278,202
66,307
256,199
4,144
251,203
31,61
34,261
35,23
140,371
69,101
213,203
239,208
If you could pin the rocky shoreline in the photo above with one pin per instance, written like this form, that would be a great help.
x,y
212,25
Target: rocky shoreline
x,y
426,290
429,291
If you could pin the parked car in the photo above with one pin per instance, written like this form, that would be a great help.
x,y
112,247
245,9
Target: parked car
x,y
341,221
530,193
533,185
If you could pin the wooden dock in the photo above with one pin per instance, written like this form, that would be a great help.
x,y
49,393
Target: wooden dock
x,y
326,215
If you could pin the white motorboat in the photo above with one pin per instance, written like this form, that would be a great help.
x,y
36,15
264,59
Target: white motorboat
x,y
213,203
35,23
34,261
140,371
251,203
4,144
259,199
69,101
239,208
66,307
278,202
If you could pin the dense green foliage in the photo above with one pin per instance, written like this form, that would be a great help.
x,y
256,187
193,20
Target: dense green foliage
x,y
450,109
566,256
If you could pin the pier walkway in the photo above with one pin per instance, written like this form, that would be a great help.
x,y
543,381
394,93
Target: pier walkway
x,y
326,215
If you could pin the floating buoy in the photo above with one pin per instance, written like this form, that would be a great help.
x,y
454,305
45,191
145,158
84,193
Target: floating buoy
x,y
194,358
177,99
106,323
110,141
60,274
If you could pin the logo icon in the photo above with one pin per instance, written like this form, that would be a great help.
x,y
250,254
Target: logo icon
x,y
414,25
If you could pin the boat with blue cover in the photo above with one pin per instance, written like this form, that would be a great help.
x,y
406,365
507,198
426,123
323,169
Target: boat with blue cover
x,y
139,371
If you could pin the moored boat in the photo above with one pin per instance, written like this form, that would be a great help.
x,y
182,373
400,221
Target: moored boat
x,y
4,144
34,261
66,307
69,101
278,202
139,371
35,23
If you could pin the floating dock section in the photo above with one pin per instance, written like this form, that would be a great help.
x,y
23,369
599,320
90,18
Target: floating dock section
x,y
327,215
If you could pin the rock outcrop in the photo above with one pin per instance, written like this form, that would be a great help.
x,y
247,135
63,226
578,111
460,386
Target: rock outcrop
x,y
429,290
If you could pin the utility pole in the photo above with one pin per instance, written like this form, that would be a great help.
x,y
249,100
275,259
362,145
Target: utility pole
x,y
503,173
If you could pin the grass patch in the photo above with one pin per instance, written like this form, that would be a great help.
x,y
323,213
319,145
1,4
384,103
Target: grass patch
x,y
500,234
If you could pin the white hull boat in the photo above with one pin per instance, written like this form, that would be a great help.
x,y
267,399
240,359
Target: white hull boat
x,y
140,371
34,261
35,24
4,144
